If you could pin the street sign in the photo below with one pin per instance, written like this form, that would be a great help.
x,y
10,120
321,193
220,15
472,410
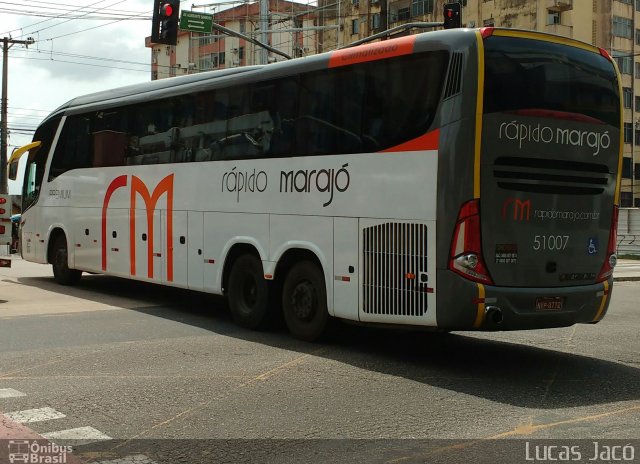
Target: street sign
x,y
196,22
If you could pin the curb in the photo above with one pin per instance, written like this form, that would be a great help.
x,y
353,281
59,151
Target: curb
x,y
627,279
17,437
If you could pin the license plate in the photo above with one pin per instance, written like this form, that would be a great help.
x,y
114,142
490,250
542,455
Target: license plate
x,y
549,303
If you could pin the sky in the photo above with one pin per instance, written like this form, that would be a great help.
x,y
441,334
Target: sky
x,y
81,47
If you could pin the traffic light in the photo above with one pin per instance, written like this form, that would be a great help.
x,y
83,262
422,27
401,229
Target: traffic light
x,y
452,15
164,28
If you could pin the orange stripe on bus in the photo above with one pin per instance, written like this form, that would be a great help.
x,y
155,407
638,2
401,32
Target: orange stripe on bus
x,y
428,141
373,51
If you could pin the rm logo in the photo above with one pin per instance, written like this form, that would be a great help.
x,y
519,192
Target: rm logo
x,y
521,210
138,187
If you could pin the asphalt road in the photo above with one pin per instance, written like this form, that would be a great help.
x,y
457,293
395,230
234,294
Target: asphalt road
x,y
165,376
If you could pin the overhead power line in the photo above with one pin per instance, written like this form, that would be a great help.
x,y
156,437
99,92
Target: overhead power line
x,y
47,20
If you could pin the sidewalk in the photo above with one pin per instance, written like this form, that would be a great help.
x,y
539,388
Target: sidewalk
x,y
627,270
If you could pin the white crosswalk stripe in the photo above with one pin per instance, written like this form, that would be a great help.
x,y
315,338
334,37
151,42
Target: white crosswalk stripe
x,y
34,415
134,459
77,436
10,393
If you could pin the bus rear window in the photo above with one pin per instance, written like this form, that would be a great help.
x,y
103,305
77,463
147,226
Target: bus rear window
x,y
523,75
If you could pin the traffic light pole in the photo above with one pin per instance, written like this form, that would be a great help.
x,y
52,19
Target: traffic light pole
x,y
4,142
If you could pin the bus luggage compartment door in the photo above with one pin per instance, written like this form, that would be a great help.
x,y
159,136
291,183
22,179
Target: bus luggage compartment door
x,y
345,266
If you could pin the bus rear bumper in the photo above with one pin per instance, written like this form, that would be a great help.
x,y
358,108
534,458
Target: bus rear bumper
x,y
485,307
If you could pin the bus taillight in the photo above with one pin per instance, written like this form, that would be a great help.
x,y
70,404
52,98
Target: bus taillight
x,y
466,247
611,258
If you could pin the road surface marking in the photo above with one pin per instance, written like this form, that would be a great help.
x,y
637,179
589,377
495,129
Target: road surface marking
x,y
10,393
34,415
82,434
133,459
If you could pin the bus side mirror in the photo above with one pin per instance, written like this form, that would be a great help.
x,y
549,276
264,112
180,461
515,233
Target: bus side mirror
x,y
12,163
13,169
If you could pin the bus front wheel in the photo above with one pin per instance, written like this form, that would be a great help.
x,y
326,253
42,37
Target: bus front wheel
x,y
304,301
60,263
248,293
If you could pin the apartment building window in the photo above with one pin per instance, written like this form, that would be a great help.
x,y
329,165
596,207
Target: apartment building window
x,y
221,59
241,53
637,104
622,27
355,2
243,27
553,17
627,97
637,5
355,26
628,132
637,139
421,7
628,2
626,168
375,21
625,62
637,36
626,199
636,170
404,14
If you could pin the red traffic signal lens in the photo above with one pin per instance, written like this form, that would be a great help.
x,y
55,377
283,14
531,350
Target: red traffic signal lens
x,y
167,10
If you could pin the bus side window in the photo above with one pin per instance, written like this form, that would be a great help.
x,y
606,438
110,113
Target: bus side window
x,y
285,116
73,150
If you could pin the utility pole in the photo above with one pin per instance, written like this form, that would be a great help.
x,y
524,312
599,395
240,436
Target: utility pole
x,y
264,33
6,43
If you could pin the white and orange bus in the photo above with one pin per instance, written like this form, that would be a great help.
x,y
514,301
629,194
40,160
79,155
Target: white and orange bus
x,y
452,180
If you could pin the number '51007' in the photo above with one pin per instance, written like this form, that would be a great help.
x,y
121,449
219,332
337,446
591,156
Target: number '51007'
x,y
550,242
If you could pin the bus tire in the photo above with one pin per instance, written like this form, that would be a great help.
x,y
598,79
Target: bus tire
x,y
60,263
304,301
248,293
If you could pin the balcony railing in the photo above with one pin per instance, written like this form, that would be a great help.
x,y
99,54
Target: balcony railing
x,y
559,5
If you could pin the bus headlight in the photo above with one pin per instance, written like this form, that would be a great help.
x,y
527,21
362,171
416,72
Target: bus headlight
x,y
613,260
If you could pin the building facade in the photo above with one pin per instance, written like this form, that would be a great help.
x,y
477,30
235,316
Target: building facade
x,y
303,29
291,29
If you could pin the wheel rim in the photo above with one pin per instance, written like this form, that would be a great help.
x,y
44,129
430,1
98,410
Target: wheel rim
x,y
249,292
61,257
304,300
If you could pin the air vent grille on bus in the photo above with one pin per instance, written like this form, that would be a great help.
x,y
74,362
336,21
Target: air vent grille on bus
x,y
394,259
454,80
560,177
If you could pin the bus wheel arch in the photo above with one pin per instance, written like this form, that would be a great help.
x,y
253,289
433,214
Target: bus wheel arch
x,y
246,289
301,278
58,257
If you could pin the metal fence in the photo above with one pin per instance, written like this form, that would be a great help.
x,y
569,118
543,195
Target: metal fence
x,y
629,231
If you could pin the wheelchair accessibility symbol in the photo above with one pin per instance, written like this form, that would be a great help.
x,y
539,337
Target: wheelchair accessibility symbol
x,y
592,246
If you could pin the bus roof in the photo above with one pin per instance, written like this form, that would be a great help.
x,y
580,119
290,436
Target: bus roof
x,y
162,87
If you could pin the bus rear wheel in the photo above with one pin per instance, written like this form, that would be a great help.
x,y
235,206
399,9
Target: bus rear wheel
x,y
60,263
304,301
248,293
